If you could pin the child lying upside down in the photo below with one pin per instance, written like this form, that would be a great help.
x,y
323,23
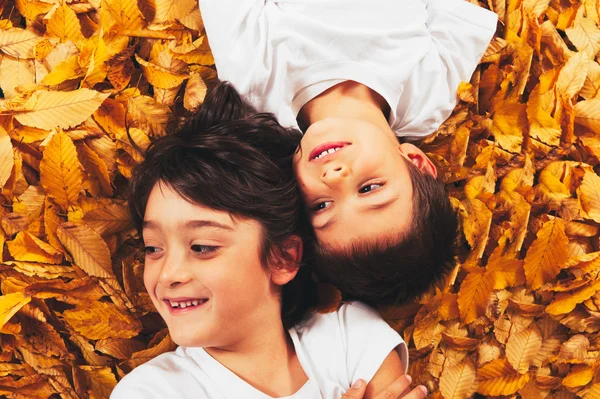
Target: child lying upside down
x,y
361,78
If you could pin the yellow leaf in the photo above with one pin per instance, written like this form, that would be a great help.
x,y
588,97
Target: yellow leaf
x,y
60,171
87,247
98,380
572,76
585,35
574,350
542,126
6,159
67,70
161,77
519,177
457,381
101,320
507,272
124,14
591,87
171,10
565,302
146,111
61,109
195,91
509,120
481,184
499,378
587,113
18,43
547,254
476,225
11,304
593,392
579,376
427,332
108,220
522,347
98,68
93,164
63,23
30,9
589,195
474,294
197,52
26,247
14,73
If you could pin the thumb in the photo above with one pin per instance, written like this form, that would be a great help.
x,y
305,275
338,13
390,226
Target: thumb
x,y
356,391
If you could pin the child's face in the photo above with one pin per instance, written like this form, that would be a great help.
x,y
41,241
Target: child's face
x,y
361,192
203,255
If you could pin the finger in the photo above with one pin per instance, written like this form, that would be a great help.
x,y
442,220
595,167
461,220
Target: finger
x,y
356,391
419,392
395,389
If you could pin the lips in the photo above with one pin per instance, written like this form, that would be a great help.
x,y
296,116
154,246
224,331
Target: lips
x,y
319,151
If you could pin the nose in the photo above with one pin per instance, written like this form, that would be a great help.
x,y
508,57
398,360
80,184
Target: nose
x,y
174,271
335,173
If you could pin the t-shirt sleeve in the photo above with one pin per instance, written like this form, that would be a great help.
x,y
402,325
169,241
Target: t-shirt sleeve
x,y
226,21
460,33
367,340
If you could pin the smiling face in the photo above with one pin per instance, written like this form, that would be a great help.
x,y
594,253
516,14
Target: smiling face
x,y
205,258
355,181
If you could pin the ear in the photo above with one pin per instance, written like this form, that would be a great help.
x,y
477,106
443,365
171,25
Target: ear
x,y
285,261
418,158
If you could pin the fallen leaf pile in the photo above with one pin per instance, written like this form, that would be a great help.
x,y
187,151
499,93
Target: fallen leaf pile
x,y
87,84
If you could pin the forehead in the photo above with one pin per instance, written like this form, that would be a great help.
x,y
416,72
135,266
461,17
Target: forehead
x,y
166,206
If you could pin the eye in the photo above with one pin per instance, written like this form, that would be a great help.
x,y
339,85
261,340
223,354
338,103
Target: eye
x,y
148,250
319,206
370,187
204,249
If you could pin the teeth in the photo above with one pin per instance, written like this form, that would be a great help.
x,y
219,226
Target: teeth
x,y
186,304
326,152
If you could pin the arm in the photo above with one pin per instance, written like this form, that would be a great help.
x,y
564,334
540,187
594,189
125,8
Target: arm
x,y
391,369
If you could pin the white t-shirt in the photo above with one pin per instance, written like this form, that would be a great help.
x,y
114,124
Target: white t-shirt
x,y
280,54
334,349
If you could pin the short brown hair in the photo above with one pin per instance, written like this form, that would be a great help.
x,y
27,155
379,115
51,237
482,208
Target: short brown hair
x,y
231,158
398,270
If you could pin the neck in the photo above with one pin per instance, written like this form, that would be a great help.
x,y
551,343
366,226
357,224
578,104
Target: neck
x,y
266,360
349,100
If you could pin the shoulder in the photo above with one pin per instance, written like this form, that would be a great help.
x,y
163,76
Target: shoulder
x,y
161,377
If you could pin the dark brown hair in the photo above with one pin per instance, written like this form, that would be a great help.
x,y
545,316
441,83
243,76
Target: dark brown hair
x,y
398,270
231,158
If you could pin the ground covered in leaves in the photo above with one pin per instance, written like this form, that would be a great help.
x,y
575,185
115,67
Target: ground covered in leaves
x,y
520,315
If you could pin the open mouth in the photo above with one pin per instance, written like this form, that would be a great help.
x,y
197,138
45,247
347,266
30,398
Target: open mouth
x,y
326,149
185,304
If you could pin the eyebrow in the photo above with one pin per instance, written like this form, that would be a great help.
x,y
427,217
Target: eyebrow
x,y
379,205
190,225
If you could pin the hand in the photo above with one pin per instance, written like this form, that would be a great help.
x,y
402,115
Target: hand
x,y
400,388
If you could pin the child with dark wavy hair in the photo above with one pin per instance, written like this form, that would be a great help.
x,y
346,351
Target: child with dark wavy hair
x,y
219,211
361,78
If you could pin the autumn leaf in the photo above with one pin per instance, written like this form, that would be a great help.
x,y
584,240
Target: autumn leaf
x,y
27,247
63,24
589,195
60,172
6,159
522,347
101,320
457,382
474,294
87,247
18,43
11,304
499,378
63,109
547,254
